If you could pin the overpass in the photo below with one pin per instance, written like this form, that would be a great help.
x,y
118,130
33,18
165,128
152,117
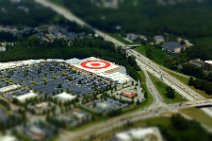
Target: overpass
x,y
189,104
132,46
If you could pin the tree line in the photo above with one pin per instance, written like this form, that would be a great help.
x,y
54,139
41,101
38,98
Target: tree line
x,y
33,47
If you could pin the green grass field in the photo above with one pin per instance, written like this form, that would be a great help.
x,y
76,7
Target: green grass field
x,y
185,81
158,55
198,115
120,38
161,87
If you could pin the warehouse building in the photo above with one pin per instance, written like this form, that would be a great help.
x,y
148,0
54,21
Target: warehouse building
x,y
101,68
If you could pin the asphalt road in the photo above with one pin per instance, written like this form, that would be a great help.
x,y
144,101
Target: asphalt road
x,y
171,81
156,109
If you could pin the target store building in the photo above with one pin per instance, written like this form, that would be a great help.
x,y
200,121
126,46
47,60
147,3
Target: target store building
x,y
100,68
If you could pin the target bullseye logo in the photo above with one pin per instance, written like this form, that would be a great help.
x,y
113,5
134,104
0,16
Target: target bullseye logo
x,y
95,64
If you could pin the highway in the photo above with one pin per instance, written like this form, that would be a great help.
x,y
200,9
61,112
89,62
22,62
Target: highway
x,y
154,111
158,108
189,104
171,81
158,100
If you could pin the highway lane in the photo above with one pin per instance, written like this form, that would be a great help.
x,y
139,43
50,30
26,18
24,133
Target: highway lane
x,y
114,123
154,111
67,136
71,17
158,72
189,104
143,61
183,89
158,100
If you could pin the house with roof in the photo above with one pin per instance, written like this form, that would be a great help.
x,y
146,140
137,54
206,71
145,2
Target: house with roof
x,y
159,39
2,47
172,47
130,94
197,63
208,64
139,134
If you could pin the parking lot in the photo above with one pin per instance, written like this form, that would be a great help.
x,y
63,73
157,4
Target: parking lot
x,y
73,118
53,78
106,105
3,84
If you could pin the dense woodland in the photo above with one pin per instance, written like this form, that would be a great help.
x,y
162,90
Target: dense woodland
x,y
181,129
190,19
34,16
24,13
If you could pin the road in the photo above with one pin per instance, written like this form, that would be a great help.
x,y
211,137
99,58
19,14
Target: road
x,y
171,81
157,109
150,86
189,104
154,111
113,123
71,17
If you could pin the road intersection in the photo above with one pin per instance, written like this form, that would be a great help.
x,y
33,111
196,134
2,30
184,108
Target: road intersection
x,y
157,108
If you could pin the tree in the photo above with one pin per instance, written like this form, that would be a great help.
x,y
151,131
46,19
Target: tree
x,y
138,102
191,81
59,86
170,92
146,95
149,53
179,123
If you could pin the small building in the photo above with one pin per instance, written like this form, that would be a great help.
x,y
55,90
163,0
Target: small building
x,y
159,39
64,97
187,43
132,36
197,63
9,88
23,98
7,138
172,47
144,134
36,133
3,46
107,105
142,37
130,95
117,77
2,49
40,108
208,65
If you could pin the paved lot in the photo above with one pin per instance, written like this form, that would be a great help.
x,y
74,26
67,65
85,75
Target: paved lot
x,y
53,78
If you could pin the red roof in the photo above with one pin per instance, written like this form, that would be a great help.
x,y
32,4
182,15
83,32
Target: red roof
x,y
130,95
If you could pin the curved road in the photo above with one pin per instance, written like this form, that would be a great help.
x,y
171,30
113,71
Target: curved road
x,y
157,109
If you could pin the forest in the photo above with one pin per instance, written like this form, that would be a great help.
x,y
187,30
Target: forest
x,y
13,13
190,19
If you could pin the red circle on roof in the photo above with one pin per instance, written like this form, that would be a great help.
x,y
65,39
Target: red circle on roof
x,y
95,64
